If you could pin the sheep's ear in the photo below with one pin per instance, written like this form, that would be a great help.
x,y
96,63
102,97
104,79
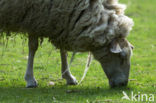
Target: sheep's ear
x,y
132,47
115,47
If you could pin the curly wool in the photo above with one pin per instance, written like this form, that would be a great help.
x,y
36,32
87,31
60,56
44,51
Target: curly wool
x,y
75,25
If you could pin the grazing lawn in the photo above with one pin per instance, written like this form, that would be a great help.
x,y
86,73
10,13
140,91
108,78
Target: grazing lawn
x,y
94,88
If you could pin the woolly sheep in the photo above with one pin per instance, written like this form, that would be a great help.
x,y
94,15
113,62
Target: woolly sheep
x,y
98,26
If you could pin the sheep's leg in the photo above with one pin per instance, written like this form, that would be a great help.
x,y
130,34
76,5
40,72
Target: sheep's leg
x,y
66,74
29,77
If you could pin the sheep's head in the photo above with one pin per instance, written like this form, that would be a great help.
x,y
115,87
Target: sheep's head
x,y
115,61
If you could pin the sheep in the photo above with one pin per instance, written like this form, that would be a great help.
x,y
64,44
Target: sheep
x,y
97,26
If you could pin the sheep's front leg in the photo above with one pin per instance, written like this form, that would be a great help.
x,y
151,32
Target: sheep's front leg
x,y
29,77
71,80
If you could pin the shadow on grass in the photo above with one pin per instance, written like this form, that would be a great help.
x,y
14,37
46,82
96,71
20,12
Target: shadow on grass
x,y
60,93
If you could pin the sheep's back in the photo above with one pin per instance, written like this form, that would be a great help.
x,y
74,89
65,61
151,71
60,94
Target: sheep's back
x,y
28,16
75,25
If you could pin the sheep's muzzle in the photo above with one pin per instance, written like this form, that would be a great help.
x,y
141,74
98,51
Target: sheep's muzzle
x,y
115,61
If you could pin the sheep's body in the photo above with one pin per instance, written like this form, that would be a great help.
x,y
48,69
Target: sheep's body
x,y
86,24
72,25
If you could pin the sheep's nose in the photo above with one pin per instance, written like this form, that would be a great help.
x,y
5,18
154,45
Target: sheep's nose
x,y
118,82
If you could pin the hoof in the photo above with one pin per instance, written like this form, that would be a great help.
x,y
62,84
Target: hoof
x,y
72,83
31,84
71,80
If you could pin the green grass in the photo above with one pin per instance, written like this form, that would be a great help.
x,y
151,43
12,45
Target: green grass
x,y
95,88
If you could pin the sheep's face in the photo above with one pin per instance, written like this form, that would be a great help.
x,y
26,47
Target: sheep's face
x,y
115,61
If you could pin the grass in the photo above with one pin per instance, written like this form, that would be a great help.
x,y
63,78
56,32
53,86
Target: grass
x,y
95,88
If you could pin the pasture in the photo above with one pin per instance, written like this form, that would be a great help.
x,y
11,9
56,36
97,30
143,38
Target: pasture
x,y
95,87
